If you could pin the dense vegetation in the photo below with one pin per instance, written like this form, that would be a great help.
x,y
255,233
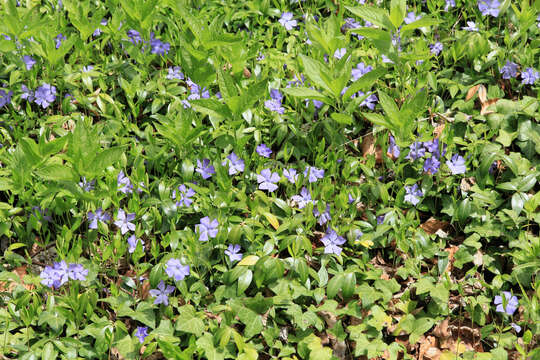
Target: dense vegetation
x,y
268,179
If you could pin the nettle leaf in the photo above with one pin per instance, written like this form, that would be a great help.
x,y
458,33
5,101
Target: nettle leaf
x,y
316,72
307,93
189,322
373,14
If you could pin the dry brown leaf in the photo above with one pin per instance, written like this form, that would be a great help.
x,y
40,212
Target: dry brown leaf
x,y
433,353
438,130
432,225
482,94
472,91
467,184
247,73
486,105
10,286
369,148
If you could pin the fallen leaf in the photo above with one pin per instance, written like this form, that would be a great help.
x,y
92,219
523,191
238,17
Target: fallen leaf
x,y
438,130
432,225
369,148
482,94
486,105
472,91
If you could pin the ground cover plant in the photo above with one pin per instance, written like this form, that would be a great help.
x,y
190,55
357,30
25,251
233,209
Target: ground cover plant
x,y
269,179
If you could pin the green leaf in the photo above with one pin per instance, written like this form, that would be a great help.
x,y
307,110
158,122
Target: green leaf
x,y
53,318
206,343
307,93
365,82
49,353
423,22
105,159
381,39
334,285
340,118
314,70
398,9
244,281
55,172
211,107
188,321
373,14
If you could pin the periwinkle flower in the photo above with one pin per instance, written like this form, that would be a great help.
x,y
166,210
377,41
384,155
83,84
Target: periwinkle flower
x,y
332,242
436,48
207,228
205,168
233,252
77,272
134,36
123,183
274,105
471,26
175,73
267,180
175,269
516,327
184,195
360,70
431,165
303,198
489,7
413,194
291,175
313,174
87,185
48,276
511,302
449,4
456,164
324,217
99,215
236,165
380,219
5,97
123,221
529,76
141,333
416,151
29,62
159,47
287,21
45,95
275,94
393,149
162,293
58,40
411,17
264,150
351,199
509,70
340,53
132,243
369,101
27,93
87,68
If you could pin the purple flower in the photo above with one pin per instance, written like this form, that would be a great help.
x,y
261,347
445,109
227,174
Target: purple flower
x,y
313,173
291,175
471,26
28,61
380,219
62,276
436,48
58,275
393,149
205,168
386,59
449,4
87,185
87,68
123,183
27,93
264,150
457,164
324,217
411,17
99,215
175,73
509,70
489,7
207,228
529,76
303,199
132,242
123,221
233,251
331,241
141,333
267,180
77,272
45,95
339,53
97,32
287,21
175,269
511,302
185,195
432,146
274,105
48,276
162,293
516,327
134,36
431,165
5,98
159,47
236,165
351,199
416,151
413,194
360,70
276,95
369,102
58,40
